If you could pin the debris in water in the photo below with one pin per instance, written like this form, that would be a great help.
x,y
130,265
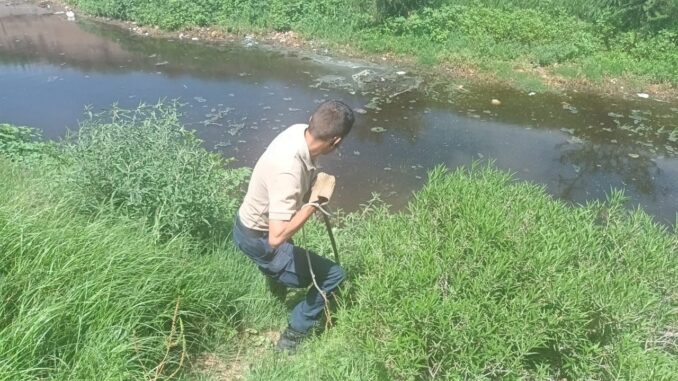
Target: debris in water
x,y
495,102
568,130
373,104
222,144
287,99
200,99
235,128
387,168
70,16
377,129
634,155
569,107
615,115
360,111
356,153
531,93
293,109
643,95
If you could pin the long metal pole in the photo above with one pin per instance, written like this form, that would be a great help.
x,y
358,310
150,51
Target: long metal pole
x,y
329,232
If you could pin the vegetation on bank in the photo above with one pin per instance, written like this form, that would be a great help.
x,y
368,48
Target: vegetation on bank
x,y
592,40
102,276
485,278
481,277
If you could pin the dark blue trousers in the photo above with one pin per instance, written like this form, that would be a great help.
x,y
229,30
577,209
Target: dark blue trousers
x,y
288,265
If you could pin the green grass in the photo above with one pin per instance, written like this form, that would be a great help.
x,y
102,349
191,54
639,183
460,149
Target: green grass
x,y
94,298
90,288
485,278
142,163
630,39
481,277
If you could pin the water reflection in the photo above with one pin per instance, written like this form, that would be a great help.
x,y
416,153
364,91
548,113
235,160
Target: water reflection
x,y
238,99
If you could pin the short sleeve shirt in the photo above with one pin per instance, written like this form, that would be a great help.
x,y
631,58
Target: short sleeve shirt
x,y
280,180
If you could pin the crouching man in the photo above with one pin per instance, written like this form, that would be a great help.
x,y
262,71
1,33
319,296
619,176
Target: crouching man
x,y
276,206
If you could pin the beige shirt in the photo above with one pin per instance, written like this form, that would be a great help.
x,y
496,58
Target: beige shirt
x,y
280,180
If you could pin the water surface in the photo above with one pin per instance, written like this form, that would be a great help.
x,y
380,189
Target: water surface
x,y
238,96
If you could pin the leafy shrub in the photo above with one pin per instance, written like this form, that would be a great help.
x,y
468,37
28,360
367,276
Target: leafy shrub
x,y
143,164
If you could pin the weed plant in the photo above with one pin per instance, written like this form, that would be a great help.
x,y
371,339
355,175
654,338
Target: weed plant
x,y
143,164
24,144
484,278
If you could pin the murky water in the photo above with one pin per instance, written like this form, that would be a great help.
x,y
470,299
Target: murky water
x,y
239,96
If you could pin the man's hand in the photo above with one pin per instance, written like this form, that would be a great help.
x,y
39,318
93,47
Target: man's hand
x,y
322,189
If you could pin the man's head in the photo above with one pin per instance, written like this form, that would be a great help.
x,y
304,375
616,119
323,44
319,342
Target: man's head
x,y
330,122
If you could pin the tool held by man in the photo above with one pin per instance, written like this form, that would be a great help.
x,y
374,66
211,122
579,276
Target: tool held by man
x,y
320,197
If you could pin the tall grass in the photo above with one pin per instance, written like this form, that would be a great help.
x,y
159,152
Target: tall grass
x,y
483,278
89,291
97,299
142,163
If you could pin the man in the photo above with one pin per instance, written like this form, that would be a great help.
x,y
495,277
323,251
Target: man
x,y
276,206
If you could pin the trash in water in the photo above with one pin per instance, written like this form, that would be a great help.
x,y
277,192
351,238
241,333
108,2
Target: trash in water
x,y
377,129
634,155
235,128
643,95
569,107
200,99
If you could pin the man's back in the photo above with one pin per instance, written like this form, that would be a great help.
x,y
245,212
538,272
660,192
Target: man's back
x,y
279,180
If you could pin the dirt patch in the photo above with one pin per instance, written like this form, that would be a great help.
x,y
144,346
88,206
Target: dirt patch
x,y
251,347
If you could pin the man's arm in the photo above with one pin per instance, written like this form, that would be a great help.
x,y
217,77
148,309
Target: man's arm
x,y
280,231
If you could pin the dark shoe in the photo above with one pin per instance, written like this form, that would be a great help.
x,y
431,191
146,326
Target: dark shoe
x,y
290,340
278,290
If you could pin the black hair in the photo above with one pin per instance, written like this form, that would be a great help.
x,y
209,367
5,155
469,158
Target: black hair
x,y
331,119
